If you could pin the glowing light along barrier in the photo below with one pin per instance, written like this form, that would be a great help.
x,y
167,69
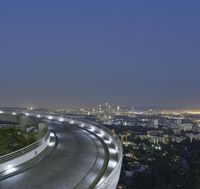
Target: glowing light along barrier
x,y
50,117
100,134
107,141
112,164
112,151
72,122
82,125
91,129
61,119
52,143
52,135
38,116
10,166
11,170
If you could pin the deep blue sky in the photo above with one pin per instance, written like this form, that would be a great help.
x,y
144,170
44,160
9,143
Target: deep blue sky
x,y
70,53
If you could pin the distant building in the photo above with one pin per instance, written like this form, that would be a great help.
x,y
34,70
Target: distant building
x,y
159,139
177,139
187,127
156,123
179,122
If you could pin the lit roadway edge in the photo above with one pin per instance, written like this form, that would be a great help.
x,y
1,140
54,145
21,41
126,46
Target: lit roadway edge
x,y
78,161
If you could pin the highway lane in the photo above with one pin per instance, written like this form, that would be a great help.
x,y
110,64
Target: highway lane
x,y
71,163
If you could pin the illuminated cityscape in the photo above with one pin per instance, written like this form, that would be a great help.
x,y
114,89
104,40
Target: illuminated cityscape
x,y
151,139
147,135
99,94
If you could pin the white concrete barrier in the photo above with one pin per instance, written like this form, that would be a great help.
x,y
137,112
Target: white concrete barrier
x,y
21,156
110,179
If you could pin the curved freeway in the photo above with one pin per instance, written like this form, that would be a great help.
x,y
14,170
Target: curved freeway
x,y
81,159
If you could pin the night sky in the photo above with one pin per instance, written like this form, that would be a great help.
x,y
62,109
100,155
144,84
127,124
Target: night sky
x,y
82,53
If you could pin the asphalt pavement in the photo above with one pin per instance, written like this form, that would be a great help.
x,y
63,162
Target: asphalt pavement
x,y
74,163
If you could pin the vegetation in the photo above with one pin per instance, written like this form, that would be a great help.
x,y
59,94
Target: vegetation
x,y
12,139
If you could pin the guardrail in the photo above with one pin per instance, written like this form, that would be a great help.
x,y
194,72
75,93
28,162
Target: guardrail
x,y
111,180
24,150
116,139
114,175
